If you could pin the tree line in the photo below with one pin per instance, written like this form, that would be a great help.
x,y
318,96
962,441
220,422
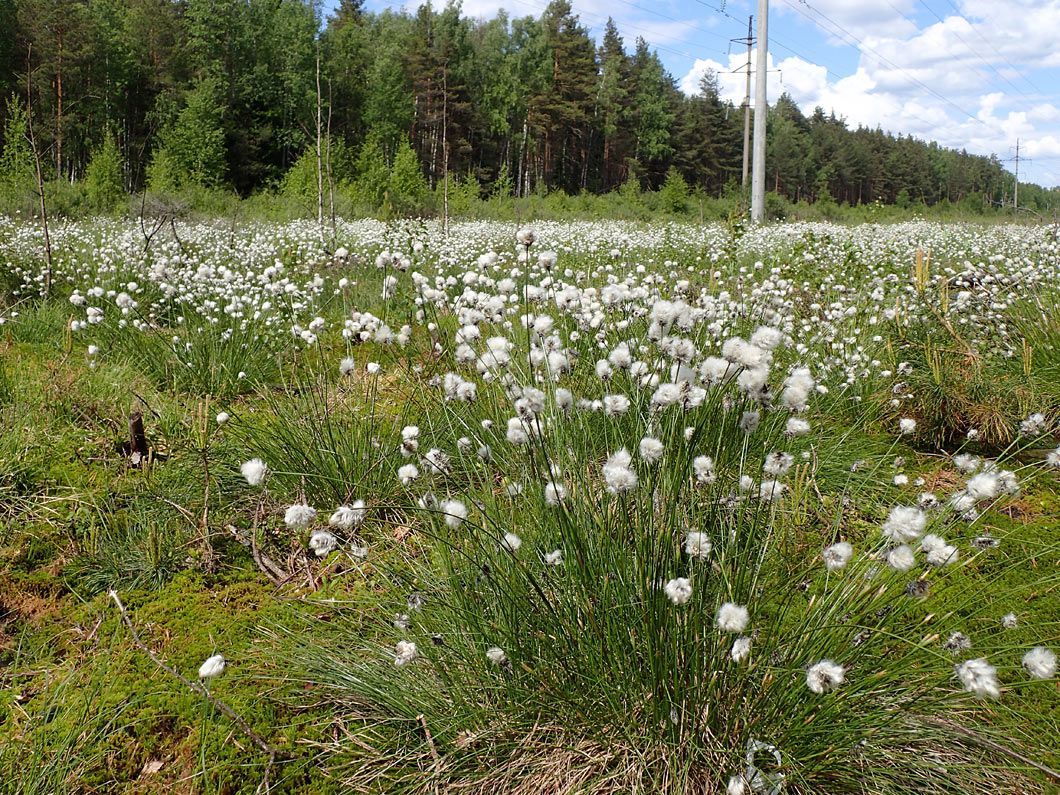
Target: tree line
x,y
253,95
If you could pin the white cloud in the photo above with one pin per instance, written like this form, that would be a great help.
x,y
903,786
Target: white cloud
x,y
960,81
841,19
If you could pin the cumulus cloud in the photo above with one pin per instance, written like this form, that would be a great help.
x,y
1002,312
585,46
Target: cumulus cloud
x,y
961,80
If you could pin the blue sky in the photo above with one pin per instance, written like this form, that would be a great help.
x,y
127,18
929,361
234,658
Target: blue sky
x,y
971,74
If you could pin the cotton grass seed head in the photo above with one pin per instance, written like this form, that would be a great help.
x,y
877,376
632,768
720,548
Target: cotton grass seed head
x,y
825,676
731,617
212,667
679,590
404,653
299,516
1040,663
650,449
322,543
254,471
698,545
901,558
737,785
741,647
408,473
979,677
455,513
837,556
348,517
905,523
555,493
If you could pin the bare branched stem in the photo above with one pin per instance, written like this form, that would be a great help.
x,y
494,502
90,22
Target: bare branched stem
x,y
199,689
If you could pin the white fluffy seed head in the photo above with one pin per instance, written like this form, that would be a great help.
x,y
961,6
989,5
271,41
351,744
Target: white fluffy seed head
x,y
901,558
555,493
455,513
254,471
404,653
1040,663
213,666
322,543
650,449
731,617
697,544
679,590
825,676
837,556
299,516
979,677
983,486
905,523
741,647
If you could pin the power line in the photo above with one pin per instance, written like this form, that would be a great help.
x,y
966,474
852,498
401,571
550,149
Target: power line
x,y
862,46
675,19
809,59
986,41
971,48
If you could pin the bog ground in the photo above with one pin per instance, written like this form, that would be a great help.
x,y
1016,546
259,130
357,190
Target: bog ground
x,y
551,508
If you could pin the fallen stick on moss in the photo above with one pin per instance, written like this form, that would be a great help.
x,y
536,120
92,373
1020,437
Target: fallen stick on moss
x,y
996,746
226,710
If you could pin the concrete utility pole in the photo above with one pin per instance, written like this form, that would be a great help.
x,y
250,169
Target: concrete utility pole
x,y
758,173
747,105
1016,191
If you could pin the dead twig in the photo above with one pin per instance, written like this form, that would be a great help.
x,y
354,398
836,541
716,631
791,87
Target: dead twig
x,y
199,689
996,746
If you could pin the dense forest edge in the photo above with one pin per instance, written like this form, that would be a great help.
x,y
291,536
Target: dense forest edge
x,y
226,106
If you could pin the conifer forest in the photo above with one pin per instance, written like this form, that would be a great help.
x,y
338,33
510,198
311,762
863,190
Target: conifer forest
x,y
226,93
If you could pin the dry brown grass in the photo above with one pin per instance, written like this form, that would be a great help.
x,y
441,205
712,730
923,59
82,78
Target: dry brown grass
x,y
556,761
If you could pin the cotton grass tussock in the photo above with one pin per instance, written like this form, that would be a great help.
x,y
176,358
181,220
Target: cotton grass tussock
x,y
670,460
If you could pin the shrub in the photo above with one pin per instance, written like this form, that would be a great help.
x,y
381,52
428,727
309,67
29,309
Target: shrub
x,y
103,177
